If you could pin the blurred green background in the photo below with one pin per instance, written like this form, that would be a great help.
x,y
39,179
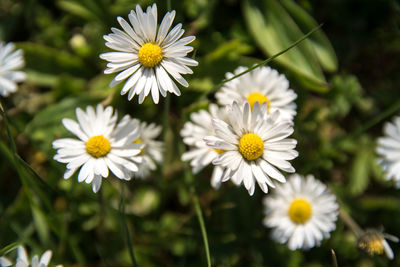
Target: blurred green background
x,y
346,77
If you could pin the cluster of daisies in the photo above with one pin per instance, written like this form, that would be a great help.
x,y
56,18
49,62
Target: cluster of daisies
x,y
246,139
245,136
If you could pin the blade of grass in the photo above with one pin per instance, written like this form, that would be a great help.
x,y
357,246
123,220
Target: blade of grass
x,y
9,248
125,227
5,118
263,62
35,174
369,124
19,162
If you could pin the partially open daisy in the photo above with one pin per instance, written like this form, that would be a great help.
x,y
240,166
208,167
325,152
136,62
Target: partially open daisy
x,y
301,212
152,150
262,85
389,150
148,56
200,155
255,145
373,242
23,259
11,61
103,145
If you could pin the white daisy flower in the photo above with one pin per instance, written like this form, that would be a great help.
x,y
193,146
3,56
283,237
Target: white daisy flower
x,y
255,145
152,151
374,242
148,56
302,212
389,150
263,85
200,155
23,259
10,61
103,145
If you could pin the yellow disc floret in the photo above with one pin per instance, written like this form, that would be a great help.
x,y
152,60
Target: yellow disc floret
x,y
372,243
139,141
258,97
300,211
98,146
150,54
251,146
373,246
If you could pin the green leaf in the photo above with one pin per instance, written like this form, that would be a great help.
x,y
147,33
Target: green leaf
x,y
274,30
77,9
41,225
321,44
40,78
43,59
359,174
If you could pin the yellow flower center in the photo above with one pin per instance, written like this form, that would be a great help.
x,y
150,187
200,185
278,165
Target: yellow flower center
x,y
300,211
219,151
251,146
98,146
150,55
258,97
373,246
139,141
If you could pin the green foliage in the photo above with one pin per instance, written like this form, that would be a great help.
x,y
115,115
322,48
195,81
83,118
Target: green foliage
x,y
341,107
274,29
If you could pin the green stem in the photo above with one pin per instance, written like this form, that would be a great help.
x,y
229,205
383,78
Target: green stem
x,y
166,128
202,225
345,217
196,204
125,227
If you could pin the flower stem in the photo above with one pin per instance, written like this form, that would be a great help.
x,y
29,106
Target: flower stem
x,y
202,225
196,204
345,217
125,227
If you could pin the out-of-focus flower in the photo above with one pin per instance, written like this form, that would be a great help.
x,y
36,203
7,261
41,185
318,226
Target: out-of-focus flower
x,y
11,61
23,259
5,262
103,145
148,56
301,212
153,149
200,155
389,150
255,145
373,242
263,85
